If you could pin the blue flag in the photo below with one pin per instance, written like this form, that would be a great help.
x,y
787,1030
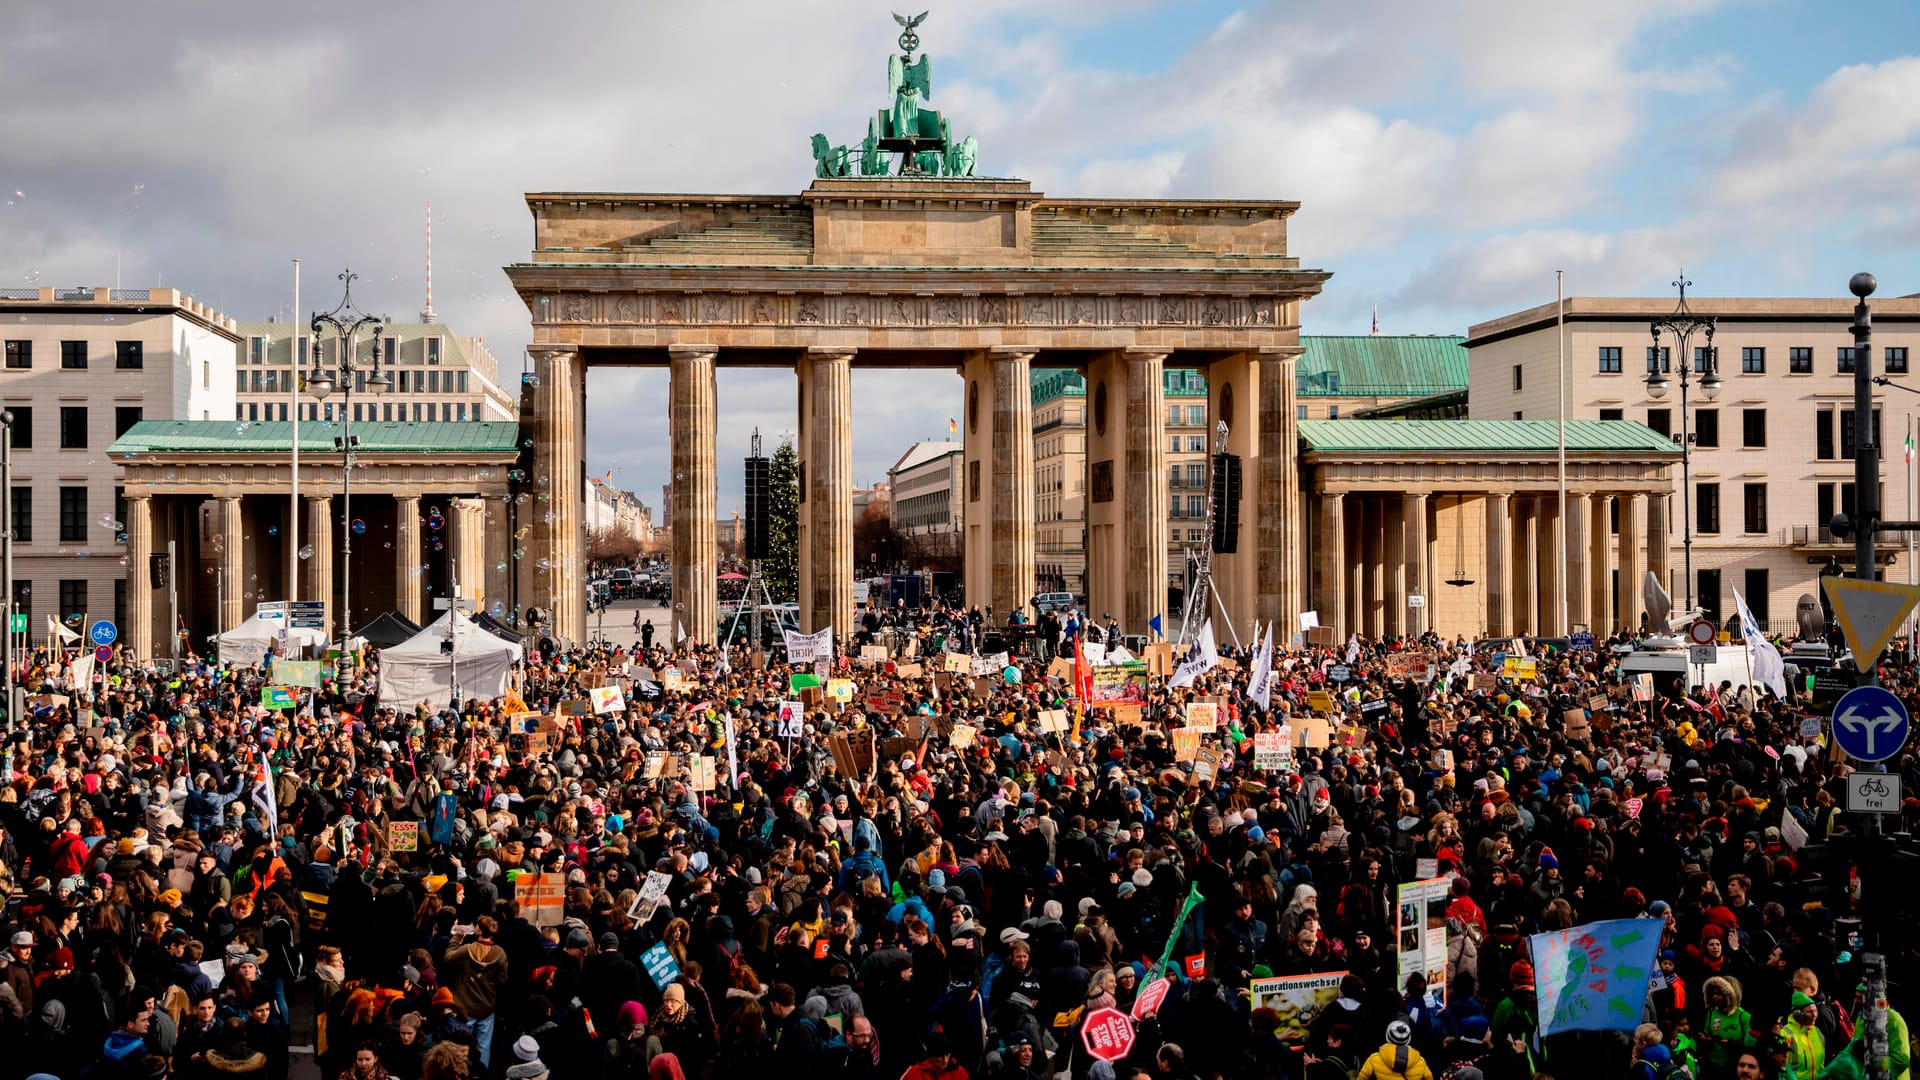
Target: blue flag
x,y
1153,624
1594,977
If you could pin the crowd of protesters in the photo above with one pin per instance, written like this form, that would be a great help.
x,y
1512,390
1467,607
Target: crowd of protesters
x,y
200,887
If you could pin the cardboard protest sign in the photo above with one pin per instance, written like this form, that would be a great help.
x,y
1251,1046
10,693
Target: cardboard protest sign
x,y
1576,724
955,663
1203,714
1272,749
1319,701
1127,715
1484,680
403,835
673,680
1417,666
1053,720
608,699
1061,668
1520,668
909,671
870,655
542,898
1313,733
1186,744
1206,764
656,766
962,736
840,690
700,772
1298,999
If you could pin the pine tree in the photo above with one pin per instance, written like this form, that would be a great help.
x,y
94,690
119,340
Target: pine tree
x,y
782,565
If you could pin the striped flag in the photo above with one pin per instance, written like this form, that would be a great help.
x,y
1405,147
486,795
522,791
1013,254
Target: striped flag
x,y
263,798
953,426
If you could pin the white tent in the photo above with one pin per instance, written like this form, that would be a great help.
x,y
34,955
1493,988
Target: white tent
x,y
417,670
247,644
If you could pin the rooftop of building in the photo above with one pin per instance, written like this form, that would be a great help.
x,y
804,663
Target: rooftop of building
x,y
316,436
1380,365
1645,309
922,452
1481,436
100,300
457,350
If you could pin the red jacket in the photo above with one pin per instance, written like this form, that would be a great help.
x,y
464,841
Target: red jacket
x,y
69,854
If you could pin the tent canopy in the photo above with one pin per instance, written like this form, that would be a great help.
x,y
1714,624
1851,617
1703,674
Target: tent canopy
x,y
419,671
389,630
248,643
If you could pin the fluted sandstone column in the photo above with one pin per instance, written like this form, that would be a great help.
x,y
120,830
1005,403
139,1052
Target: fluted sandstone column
x,y
318,515
1578,517
406,557
826,567
1013,496
695,560
1413,517
232,562
139,575
1627,606
560,408
1600,563
1332,550
1499,594
1146,505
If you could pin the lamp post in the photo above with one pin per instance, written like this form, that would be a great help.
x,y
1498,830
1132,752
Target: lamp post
x,y
1683,324
346,322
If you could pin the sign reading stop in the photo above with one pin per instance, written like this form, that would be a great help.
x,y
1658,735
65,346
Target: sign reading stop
x,y
1152,996
1108,1034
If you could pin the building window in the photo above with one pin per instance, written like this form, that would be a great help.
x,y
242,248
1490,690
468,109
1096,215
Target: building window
x,y
125,416
73,356
386,412
393,350
1756,508
461,411
1197,477
22,496
1196,444
129,355
300,361
1706,593
1753,428
1823,435
256,350
463,389
1613,414
1610,359
1800,360
73,427
1847,433
1173,444
73,598
1333,412
1196,507
1896,359
19,354
1706,506
1822,507
1706,429
73,515
1755,594
433,350
1661,420
1659,358
22,426
1702,356
1845,358
1753,360
1519,379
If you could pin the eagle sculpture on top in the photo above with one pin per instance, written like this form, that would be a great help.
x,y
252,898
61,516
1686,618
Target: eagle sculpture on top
x,y
910,24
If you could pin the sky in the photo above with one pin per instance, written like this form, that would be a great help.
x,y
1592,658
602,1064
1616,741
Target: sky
x,y
1449,157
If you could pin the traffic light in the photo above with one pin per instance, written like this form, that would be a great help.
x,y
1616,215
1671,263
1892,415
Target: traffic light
x,y
1226,503
159,570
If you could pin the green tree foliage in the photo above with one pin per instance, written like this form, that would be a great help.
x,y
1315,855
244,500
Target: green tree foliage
x,y
783,525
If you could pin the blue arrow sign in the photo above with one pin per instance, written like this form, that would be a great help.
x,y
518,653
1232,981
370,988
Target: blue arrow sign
x,y
102,633
1870,724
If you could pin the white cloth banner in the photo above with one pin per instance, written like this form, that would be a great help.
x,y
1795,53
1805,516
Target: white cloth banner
x,y
807,648
1261,677
1769,670
1201,658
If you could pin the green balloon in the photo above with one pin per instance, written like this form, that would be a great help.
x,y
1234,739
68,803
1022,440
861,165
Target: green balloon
x,y
1011,674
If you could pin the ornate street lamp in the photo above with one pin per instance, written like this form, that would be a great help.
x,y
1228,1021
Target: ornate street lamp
x,y
346,322
1682,325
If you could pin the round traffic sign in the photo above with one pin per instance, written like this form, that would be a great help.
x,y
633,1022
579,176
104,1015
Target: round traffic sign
x,y
103,653
1870,724
1702,632
103,633
1107,1034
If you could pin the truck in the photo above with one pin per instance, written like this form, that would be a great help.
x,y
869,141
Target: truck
x,y
905,591
1674,674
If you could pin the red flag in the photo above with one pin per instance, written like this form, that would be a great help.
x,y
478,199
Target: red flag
x,y
1082,674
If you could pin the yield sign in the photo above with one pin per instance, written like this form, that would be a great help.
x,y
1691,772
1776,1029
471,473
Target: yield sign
x,y
1870,612
1151,997
1108,1034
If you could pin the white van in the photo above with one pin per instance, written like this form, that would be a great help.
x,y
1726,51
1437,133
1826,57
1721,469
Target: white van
x,y
1674,674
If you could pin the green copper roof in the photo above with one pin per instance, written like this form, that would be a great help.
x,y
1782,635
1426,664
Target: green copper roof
x,y
1482,436
1381,365
316,436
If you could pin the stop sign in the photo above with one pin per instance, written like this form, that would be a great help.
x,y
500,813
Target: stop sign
x,y
1108,1034
1151,998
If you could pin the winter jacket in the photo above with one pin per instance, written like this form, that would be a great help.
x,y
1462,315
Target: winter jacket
x,y
1392,1062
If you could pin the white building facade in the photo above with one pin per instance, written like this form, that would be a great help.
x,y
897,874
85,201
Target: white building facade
x,y
437,376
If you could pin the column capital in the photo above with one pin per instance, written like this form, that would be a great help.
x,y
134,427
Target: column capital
x,y
823,353
1145,352
132,496
552,352
692,352
1011,353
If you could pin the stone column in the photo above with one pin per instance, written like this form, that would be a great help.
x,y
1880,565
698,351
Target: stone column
x,y
1627,606
1013,495
318,515
497,556
1660,548
1546,547
232,562
468,545
1331,546
1146,504
140,634
559,407
1418,572
1359,609
1600,563
406,557
1499,593
695,558
1395,568
1525,594
826,510
1578,514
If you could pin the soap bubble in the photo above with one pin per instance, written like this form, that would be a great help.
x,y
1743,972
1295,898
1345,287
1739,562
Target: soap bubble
x,y
273,530
120,538
436,522
500,567
359,527
83,553
438,546
519,553
107,522
530,379
306,551
544,564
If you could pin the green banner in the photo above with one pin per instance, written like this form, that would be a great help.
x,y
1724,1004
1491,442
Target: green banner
x,y
1180,921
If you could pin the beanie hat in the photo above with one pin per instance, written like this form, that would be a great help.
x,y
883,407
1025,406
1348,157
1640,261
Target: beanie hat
x,y
1399,1033
1520,974
1800,1000
1548,861
526,1049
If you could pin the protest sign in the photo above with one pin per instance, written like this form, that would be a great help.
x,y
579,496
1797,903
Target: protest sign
x,y
1417,666
1203,714
277,698
607,699
660,965
541,898
1594,977
962,736
700,772
1519,667
1121,683
1319,701
840,690
297,672
1186,744
792,719
1053,720
652,891
403,835
1422,931
1299,999
1271,749
955,663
